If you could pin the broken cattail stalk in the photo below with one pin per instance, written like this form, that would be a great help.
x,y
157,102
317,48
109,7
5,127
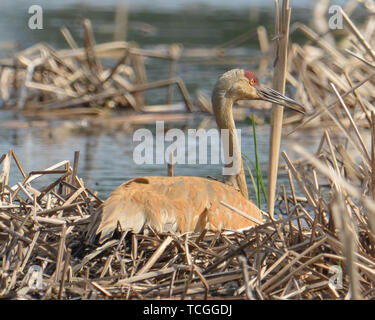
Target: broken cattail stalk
x,y
280,70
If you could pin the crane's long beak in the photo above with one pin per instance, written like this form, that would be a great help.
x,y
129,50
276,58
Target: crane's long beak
x,y
273,96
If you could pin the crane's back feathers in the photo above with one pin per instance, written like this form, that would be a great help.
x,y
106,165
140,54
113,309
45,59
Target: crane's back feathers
x,y
171,204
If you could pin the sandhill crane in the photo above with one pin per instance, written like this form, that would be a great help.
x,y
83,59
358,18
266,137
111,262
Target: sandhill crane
x,y
185,204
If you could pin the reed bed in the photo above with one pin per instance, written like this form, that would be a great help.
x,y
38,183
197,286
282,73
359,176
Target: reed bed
x,y
320,249
331,62
86,81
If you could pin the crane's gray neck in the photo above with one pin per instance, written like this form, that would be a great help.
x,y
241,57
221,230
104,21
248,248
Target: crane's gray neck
x,y
222,107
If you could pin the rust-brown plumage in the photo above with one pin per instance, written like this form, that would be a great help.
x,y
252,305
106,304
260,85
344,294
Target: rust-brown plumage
x,y
186,204
173,204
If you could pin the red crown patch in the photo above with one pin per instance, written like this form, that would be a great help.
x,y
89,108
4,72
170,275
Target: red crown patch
x,y
252,78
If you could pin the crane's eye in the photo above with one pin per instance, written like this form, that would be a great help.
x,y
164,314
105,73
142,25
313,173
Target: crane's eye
x,y
252,81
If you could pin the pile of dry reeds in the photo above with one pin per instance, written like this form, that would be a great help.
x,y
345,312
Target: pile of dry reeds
x,y
104,76
333,62
322,248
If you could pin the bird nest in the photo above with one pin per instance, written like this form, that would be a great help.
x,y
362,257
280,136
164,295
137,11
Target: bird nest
x,y
306,254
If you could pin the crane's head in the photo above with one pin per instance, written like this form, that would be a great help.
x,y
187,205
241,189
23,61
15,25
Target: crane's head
x,y
239,84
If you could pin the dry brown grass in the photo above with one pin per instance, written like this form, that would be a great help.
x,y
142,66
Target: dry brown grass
x,y
293,257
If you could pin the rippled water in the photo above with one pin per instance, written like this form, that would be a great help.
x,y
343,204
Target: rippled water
x,y
106,158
